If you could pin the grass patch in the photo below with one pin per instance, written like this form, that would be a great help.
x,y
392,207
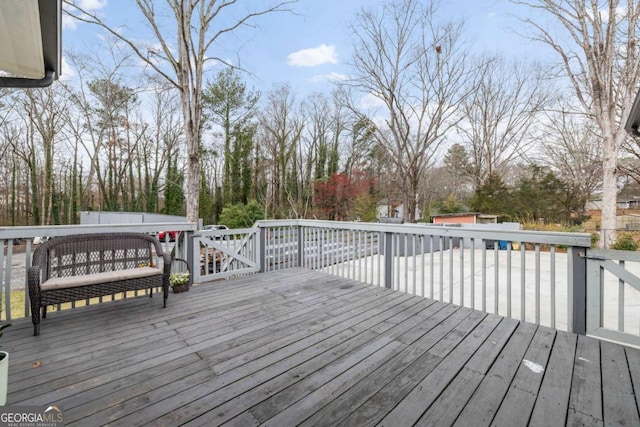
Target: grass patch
x,y
18,304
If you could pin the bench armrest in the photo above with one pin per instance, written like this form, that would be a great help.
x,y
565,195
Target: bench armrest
x,y
166,263
166,271
33,281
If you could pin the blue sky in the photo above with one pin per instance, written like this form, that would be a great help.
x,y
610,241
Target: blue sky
x,y
309,48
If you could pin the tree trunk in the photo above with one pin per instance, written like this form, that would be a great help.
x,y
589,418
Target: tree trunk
x,y
191,131
609,191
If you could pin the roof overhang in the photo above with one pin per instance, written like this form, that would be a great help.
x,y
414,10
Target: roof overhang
x,y
633,122
30,42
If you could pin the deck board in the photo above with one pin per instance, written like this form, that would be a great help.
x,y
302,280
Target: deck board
x,y
585,401
403,383
487,398
619,403
520,399
297,347
553,397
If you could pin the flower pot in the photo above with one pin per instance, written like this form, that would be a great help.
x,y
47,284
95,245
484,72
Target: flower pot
x,y
4,376
180,288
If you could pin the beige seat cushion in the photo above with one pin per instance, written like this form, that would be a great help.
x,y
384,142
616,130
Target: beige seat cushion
x,y
93,279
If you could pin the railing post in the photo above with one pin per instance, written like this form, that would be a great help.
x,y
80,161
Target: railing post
x,y
190,254
300,245
319,236
388,260
578,278
262,251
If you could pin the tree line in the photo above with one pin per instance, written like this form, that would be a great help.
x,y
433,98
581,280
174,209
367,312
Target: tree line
x,y
443,123
106,145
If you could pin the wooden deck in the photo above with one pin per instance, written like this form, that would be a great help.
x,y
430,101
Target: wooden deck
x,y
301,347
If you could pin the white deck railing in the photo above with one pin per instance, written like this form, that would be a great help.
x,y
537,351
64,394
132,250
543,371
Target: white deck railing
x,y
552,279
527,275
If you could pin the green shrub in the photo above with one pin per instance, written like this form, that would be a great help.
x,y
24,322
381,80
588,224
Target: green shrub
x,y
241,216
625,242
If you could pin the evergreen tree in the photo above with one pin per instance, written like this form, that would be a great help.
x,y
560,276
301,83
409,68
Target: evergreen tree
x,y
231,105
450,205
492,197
542,196
173,191
207,207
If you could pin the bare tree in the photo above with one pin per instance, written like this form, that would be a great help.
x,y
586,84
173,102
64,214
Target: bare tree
x,y
185,32
598,50
320,144
5,111
34,135
101,97
313,150
416,68
629,166
14,176
280,130
501,114
157,138
46,110
573,148
361,144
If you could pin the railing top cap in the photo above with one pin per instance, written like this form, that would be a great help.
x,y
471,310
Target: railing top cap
x,y
63,230
529,236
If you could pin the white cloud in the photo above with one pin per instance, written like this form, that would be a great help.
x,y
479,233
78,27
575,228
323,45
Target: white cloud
x,y
371,101
69,22
621,12
92,4
331,77
323,54
66,72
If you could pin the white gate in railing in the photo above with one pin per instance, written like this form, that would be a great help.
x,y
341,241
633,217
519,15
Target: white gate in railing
x,y
221,254
613,295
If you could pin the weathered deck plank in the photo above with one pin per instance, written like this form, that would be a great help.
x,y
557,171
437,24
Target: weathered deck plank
x,y
619,403
487,398
585,400
297,347
553,398
437,326
633,358
446,408
518,403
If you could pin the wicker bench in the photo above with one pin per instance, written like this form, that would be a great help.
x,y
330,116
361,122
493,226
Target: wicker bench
x,y
84,266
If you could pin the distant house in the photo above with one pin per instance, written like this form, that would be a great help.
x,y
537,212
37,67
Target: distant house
x,y
632,203
464,218
390,210
386,209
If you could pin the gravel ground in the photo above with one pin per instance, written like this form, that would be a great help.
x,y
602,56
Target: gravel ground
x,y
18,277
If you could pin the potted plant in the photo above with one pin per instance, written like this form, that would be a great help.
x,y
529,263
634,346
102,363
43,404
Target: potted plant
x,y
4,369
179,282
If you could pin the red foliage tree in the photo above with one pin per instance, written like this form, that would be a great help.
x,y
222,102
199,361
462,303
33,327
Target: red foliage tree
x,y
334,197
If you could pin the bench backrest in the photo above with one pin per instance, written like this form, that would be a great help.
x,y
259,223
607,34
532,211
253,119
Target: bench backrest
x,y
95,253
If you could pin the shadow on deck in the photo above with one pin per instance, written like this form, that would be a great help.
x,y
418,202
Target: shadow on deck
x,y
301,347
